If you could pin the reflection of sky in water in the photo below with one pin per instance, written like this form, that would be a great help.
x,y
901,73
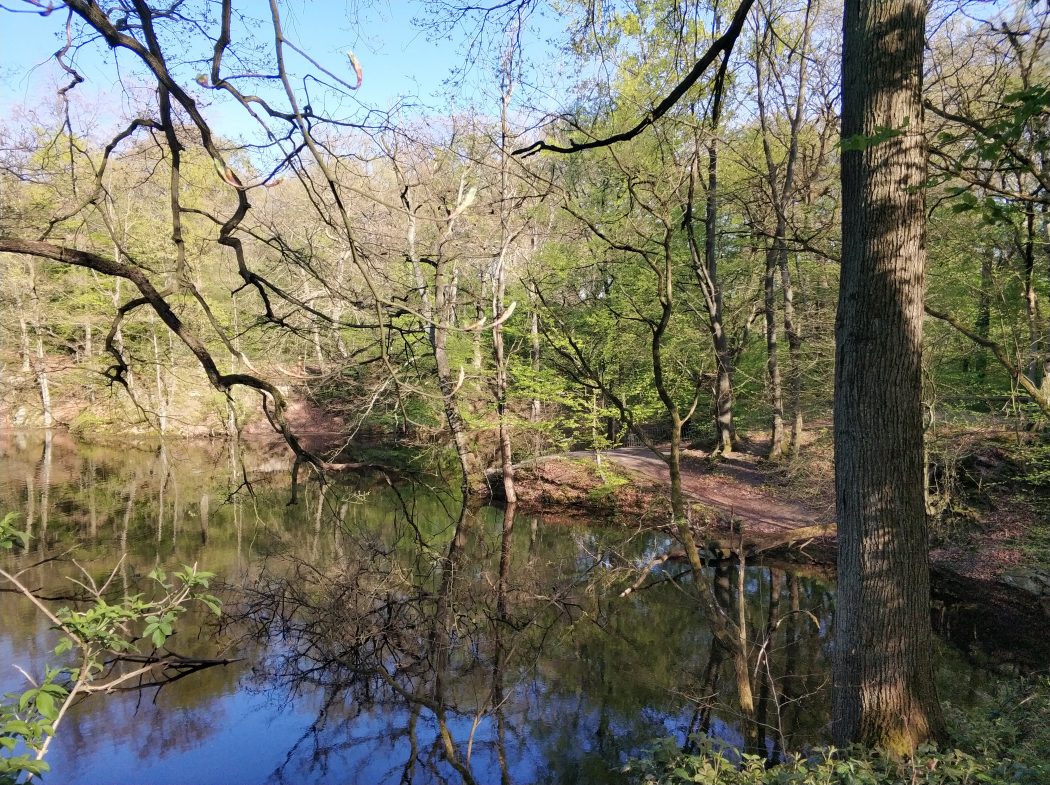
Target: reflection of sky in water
x,y
245,738
234,743
595,685
576,705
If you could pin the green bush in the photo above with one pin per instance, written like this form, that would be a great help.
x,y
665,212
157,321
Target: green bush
x,y
1006,738
714,765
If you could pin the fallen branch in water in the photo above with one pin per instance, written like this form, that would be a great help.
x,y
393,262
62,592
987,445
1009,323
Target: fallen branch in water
x,y
746,545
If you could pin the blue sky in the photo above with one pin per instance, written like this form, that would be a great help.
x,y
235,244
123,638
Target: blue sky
x,y
400,61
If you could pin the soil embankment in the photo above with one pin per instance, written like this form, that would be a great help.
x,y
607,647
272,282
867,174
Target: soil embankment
x,y
735,491
740,498
730,497
575,485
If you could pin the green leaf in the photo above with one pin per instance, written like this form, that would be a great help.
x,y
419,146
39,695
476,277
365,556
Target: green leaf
x,y
213,603
9,535
157,574
45,704
881,134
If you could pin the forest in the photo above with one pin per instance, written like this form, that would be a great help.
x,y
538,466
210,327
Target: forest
x,y
666,398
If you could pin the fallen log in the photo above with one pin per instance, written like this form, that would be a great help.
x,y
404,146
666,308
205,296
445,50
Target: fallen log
x,y
757,542
717,549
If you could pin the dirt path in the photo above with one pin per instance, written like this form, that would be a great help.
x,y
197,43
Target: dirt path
x,y
735,488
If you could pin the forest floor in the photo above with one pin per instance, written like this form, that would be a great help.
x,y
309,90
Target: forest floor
x,y
736,489
993,533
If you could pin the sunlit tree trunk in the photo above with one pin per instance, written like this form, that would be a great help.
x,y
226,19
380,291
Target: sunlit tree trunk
x,y
536,410
1045,209
438,310
43,385
780,178
983,323
793,333
884,692
24,350
449,384
1031,299
705,267
724,359
774,388
158,369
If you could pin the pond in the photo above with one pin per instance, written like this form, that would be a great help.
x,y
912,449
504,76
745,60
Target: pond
x,y
381,636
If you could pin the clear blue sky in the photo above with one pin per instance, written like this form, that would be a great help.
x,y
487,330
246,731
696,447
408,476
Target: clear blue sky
x,y
400,61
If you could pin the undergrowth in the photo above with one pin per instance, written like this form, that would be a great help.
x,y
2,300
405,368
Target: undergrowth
x,y
1004,740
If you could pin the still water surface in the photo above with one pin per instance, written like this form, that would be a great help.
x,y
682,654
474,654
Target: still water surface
x,y
382,638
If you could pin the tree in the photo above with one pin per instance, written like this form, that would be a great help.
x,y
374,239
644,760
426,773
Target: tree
x,y
989,146
884,691
780,181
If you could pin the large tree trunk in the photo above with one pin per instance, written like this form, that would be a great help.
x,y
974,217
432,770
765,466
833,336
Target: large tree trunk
x,y
884,690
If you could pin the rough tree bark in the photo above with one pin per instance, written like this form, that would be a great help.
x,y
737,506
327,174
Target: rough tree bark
x,y
884,690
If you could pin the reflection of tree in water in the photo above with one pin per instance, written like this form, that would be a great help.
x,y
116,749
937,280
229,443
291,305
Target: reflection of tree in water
x,y
401,636
414,642
480,648
178,726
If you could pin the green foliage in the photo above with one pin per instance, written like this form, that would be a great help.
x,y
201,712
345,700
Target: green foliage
x,y
1011,723
611,481
854,766
1005,738
105,626
860,142
1036,545
95,634
1020,119
86,423
9,535
1035,459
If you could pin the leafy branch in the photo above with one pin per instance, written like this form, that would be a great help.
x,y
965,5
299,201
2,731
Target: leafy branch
x,y
102,635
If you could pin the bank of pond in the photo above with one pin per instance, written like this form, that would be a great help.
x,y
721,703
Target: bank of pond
x,y
382,636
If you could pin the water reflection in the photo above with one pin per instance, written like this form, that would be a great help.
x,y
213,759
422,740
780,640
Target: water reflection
x,y
390,636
